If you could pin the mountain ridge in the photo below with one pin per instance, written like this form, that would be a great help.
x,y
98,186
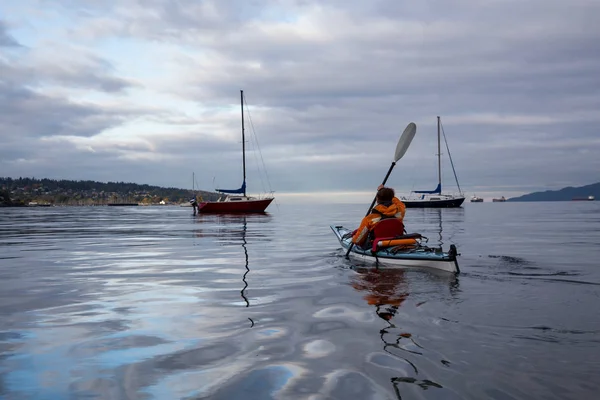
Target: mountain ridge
x,y
568,193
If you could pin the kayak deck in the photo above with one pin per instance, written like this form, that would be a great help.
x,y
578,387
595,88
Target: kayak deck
x,y
419,256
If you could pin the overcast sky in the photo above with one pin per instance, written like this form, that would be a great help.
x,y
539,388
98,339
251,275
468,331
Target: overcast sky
x,y
148,92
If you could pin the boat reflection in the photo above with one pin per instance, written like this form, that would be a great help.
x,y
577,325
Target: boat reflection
x,y
232,229
228,227
387,290
444,223
244,243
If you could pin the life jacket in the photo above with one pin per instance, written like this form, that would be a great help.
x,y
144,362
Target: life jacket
x,y
393,209
371,234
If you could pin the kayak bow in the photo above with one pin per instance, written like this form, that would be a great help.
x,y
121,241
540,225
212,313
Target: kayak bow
x,y
397,255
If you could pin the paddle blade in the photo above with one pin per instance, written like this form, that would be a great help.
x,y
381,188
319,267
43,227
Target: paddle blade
x,y
405,139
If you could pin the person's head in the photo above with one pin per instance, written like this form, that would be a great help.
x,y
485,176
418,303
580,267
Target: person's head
x,y
385,194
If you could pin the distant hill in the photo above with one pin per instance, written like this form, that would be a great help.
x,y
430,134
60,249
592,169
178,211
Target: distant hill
x,y
565,194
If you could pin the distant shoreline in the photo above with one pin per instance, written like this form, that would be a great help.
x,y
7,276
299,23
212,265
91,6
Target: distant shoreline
x,y
87,205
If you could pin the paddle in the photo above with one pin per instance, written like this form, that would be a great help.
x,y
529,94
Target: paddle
x,y
401,147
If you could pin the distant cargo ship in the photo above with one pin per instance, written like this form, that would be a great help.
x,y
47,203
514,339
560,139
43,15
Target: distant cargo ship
x,y
589,198
499,200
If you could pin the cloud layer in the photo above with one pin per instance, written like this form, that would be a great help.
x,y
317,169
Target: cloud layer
x,y
149,92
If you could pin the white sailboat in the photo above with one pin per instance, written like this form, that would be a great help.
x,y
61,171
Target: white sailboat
x,y
435,198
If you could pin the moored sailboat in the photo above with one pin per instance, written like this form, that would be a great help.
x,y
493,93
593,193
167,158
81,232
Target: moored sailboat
x,y
240,203
435,198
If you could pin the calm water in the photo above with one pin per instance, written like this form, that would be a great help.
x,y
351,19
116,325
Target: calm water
x,y
155,303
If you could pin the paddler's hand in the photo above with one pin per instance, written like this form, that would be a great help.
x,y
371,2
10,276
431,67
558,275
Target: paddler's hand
x,y
380,187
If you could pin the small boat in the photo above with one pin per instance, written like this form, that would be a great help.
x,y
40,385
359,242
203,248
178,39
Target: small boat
x,y
476,199
236,204
435,198
36,204
500,200
406,251
589,198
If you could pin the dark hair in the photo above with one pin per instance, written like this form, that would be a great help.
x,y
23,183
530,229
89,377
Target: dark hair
x,y
385,194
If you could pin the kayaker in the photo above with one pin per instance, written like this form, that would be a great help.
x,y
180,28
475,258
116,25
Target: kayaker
x,y
388,206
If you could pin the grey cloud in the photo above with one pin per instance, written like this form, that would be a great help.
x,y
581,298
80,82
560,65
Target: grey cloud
x,y
6,40
74,68
516,85
93,77
61,64
498,50
30,122
25,113
51,117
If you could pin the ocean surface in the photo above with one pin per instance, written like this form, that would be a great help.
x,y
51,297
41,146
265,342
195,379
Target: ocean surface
x,y
156,303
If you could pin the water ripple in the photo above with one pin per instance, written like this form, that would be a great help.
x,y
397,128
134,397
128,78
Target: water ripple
x,y
155,303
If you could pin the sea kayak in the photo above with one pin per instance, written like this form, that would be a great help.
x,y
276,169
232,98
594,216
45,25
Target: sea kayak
x,y
400,255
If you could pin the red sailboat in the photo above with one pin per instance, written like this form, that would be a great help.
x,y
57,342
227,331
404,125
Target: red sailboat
x,y
240,202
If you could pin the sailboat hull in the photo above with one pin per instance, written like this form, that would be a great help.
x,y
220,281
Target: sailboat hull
x,y
429,203
234,207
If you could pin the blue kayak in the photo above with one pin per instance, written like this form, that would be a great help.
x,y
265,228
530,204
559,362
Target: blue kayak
x,y
417,255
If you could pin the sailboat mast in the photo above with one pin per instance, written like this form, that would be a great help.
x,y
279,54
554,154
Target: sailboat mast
x,y
439,156
243,141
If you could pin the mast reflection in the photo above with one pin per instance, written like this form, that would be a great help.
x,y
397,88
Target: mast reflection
x,y
229,229
244,243
437,223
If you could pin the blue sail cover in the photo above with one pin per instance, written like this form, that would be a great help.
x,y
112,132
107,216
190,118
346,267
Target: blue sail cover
x,y
438,189
240,190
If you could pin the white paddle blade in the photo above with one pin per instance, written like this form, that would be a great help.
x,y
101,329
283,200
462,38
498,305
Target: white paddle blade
x,y
405,139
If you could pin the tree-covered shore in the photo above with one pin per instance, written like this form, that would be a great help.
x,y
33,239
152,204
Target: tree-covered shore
x,y
24,191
